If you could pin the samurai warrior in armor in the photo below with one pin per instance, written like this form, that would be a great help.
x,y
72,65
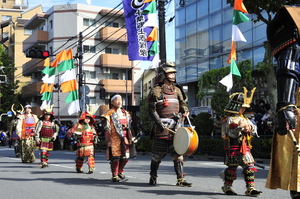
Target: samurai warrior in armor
x,y
237,132
166,104
283,34
13,136
118,137
26,131
85,133
46,133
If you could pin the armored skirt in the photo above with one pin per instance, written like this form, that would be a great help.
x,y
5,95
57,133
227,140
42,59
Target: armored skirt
x,y
46,136
284,170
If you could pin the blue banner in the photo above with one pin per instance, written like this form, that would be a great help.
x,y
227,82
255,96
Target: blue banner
x,y
139,42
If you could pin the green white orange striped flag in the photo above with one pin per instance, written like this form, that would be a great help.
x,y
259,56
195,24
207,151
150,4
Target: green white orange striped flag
x,y
48,83
68,81
228,80
65,60
236,34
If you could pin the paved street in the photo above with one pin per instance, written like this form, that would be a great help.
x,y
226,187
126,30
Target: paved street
x,y
59,180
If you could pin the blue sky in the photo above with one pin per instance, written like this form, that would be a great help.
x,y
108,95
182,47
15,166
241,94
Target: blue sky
x,y
170,30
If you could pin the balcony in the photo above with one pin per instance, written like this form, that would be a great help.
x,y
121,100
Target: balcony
x,y
103,109
115,61
32,89
33,65
37,40
117,86
35,21
112,34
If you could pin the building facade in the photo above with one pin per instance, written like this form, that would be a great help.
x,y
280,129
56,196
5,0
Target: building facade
x,y
203,42
14,14
105,62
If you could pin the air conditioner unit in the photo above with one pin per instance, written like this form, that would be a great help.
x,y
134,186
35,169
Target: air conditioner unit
x,y
106,70
107,96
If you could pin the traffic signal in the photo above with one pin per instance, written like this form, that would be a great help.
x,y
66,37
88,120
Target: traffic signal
x,y
35,53
102,93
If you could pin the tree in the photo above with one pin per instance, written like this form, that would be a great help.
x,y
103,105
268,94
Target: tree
x,y
209,81
219,100
264,11
146,121
7,95
203,124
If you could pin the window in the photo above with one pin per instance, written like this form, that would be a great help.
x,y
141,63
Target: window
x,y
112,24
115,76
181,20
215,5
92,100
51,50
5,17
88,22
3,1
51,24
215,40
112,51
191,12
89,49
27,32
202,8
89,74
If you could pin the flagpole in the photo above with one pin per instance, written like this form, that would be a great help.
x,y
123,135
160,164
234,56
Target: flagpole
x,y
162,31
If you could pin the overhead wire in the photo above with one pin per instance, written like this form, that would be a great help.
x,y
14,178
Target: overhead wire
x,y
29,68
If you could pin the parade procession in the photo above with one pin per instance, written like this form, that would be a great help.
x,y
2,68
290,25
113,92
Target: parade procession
x,y
150,99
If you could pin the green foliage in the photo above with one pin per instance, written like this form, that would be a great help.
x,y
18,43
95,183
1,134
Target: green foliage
x,y
7,89
144,144
209,145
146,121
210,79
261,147
203,124
219,101
268,6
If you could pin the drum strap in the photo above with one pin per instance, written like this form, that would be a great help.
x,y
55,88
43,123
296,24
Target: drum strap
x,y
169,123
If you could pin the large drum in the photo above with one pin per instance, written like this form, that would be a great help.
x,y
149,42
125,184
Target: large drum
x,y
185,141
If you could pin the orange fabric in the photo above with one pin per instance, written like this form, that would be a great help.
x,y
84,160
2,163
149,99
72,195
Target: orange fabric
x,y
232,53
69,86
243,148
54,63
62,56
47,88
69,54
153,35
239,5
47,62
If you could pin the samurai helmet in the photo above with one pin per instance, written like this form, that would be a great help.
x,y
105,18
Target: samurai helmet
x,y
162,70
47,111
238,100
17,111
86,114
235,103
248,100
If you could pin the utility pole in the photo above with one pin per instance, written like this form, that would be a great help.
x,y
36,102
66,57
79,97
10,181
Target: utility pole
x,y
80,67
162,31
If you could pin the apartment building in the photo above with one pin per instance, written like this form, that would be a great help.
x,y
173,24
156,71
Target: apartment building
x,y
14,14
203,42
105,61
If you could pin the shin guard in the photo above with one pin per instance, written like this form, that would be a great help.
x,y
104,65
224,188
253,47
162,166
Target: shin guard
x,y
230,176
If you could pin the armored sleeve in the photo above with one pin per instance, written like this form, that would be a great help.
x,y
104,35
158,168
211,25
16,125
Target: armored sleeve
x,y
183,106
154,96
233,130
